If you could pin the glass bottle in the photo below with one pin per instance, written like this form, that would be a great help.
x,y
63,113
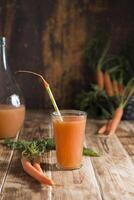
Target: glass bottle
x,y
12,108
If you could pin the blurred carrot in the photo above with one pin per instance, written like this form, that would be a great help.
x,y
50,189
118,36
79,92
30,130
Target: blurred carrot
x,y
100,79
116,119
102,129
128,92
115,87
36,163
37,166
108,84
110,126
105,128
121,89
99,72
120,83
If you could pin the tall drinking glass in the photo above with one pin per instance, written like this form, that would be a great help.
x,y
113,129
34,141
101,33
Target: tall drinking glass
x,y
69,134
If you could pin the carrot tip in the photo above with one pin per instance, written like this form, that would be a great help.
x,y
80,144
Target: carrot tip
x,y
100,132
111,132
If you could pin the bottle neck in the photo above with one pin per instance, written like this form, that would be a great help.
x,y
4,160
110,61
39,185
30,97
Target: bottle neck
x,y
3,57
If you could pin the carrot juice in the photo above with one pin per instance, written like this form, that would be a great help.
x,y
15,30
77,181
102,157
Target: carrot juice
x,y
11,120
69,137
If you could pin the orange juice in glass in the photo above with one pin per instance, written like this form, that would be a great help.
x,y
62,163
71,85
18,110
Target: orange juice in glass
x,y
69,136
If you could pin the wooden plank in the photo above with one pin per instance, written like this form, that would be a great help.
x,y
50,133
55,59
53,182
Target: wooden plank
x,y
110,177
78,184
126,136
114,168
125,133
126,128
5,158
18,184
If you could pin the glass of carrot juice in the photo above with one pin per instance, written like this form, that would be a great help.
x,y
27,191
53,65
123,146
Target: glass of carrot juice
x,y
69,134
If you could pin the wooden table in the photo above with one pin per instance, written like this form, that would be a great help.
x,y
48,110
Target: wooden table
x,y
109,177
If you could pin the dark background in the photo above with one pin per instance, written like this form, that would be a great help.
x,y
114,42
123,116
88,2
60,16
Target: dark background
x,y
50,36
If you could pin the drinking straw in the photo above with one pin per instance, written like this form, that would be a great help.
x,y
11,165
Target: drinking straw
x,y
47,89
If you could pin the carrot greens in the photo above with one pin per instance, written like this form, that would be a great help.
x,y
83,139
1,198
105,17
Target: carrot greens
x,y
37,147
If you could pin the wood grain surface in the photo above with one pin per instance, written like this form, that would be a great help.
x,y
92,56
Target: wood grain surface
x,y
114,169
108,177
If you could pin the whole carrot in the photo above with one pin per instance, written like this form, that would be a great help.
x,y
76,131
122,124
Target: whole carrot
x,y
37,166
102,129
112,125
120,84
108,127
29,169
99,72
115,87
116,119
128,92
108,84
121,89
36,163
100,79
105,128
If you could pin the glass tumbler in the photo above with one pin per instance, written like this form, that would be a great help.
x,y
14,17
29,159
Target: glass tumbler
x,y
69,134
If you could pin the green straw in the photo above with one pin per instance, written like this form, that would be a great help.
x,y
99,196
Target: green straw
x,y
47,89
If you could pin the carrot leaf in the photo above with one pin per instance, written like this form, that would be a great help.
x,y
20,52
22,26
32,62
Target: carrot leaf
x,y
37,147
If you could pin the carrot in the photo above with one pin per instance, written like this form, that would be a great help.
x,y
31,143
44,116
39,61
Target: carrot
x,y
102,129
99,72
108,84
128,92
38,167
29,169
115,87
36,163
105,128
120,83
121,89
108,127
112,125
100,79
116,119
